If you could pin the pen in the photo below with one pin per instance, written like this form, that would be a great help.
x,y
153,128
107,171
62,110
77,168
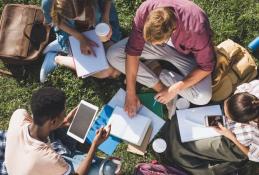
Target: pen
x,y
154,102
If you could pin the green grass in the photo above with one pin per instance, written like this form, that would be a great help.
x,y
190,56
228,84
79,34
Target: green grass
x,y
234,19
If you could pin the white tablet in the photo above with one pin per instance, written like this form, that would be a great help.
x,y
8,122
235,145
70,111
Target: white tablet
x,y
83,120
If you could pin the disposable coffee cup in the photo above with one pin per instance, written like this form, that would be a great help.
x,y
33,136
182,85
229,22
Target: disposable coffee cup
x,y
182,103
159,145
103,30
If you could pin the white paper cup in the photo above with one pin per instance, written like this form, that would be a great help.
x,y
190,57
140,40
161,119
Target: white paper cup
x,y
182,103
159,145
103,31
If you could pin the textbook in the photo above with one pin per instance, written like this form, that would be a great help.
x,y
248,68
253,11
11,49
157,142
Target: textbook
x,y
109,146
87,65
119,99
192,122
141,150
132,130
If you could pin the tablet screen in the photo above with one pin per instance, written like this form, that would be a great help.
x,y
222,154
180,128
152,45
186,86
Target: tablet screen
x,y
82,120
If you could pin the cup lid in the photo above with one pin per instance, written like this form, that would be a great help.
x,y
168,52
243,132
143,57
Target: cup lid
x,y
159,145
102,29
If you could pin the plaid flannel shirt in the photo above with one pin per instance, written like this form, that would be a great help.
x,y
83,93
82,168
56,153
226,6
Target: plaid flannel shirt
x,y
247,135
2,152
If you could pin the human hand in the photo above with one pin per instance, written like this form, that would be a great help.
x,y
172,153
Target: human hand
x,y
225,131
86,46
68,119
101,135
166,95
132,104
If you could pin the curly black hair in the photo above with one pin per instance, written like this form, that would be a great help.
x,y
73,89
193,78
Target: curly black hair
x,y
47,103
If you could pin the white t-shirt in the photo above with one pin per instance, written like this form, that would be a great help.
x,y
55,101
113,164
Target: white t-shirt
x,y
170,43
25,155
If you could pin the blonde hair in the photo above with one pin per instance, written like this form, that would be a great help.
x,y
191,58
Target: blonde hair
x,y
72,9
159,24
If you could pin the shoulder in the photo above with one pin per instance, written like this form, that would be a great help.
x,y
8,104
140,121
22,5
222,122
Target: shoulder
x,y
251,87
49,158
191,16
19,117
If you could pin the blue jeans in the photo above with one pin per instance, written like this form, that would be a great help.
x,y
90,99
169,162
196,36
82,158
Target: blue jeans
x,y
108,168
62,37
66,147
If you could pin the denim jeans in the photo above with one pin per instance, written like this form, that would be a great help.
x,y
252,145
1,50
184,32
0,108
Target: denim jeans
x,y
66,147
108,166
62,37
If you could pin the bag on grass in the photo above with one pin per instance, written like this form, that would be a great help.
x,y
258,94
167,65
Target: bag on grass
x,y
234,66
23,35
156,169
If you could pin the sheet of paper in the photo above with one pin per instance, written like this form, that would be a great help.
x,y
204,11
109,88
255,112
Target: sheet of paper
x,y
191,122
88,64
119,100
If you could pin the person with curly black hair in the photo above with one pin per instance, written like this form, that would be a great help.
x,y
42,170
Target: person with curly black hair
x,y
28,148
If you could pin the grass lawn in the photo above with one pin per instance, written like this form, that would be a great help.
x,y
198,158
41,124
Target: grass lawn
x,y
234,19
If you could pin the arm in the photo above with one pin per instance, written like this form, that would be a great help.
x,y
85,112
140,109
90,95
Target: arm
x,y
101,135
85,43
106,11
132,102
192,78
227,133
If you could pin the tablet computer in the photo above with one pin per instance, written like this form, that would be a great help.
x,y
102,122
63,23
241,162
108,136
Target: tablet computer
x,y
83,120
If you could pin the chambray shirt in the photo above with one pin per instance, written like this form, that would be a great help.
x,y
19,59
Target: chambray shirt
x,y
192,35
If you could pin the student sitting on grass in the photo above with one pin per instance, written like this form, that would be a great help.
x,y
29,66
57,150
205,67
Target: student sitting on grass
x,y
28,150
176,31
67,16
222,155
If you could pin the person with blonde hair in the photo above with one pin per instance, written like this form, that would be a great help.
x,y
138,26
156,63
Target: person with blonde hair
x,y
176,31
71,17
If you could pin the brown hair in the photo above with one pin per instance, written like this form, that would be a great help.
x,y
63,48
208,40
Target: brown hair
x,y
243,107
159,24
72,9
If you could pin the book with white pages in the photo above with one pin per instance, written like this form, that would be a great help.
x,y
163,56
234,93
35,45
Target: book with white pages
x,y
132,130
87,65
119,99
192,123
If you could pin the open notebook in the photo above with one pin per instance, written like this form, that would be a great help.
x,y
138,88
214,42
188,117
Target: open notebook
x,y
88,64
191,123
129,129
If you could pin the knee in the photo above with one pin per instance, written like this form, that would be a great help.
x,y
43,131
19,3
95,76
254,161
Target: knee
x,y
112,55
203,98
116,53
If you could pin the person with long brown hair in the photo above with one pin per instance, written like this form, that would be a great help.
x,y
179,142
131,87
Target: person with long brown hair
x,y
238,146
70,17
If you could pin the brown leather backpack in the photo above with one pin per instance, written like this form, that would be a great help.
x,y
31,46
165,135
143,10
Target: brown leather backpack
x,y
23,35
234,66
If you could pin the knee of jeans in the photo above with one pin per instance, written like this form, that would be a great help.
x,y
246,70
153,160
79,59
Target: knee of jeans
x,y
112,55
203,98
